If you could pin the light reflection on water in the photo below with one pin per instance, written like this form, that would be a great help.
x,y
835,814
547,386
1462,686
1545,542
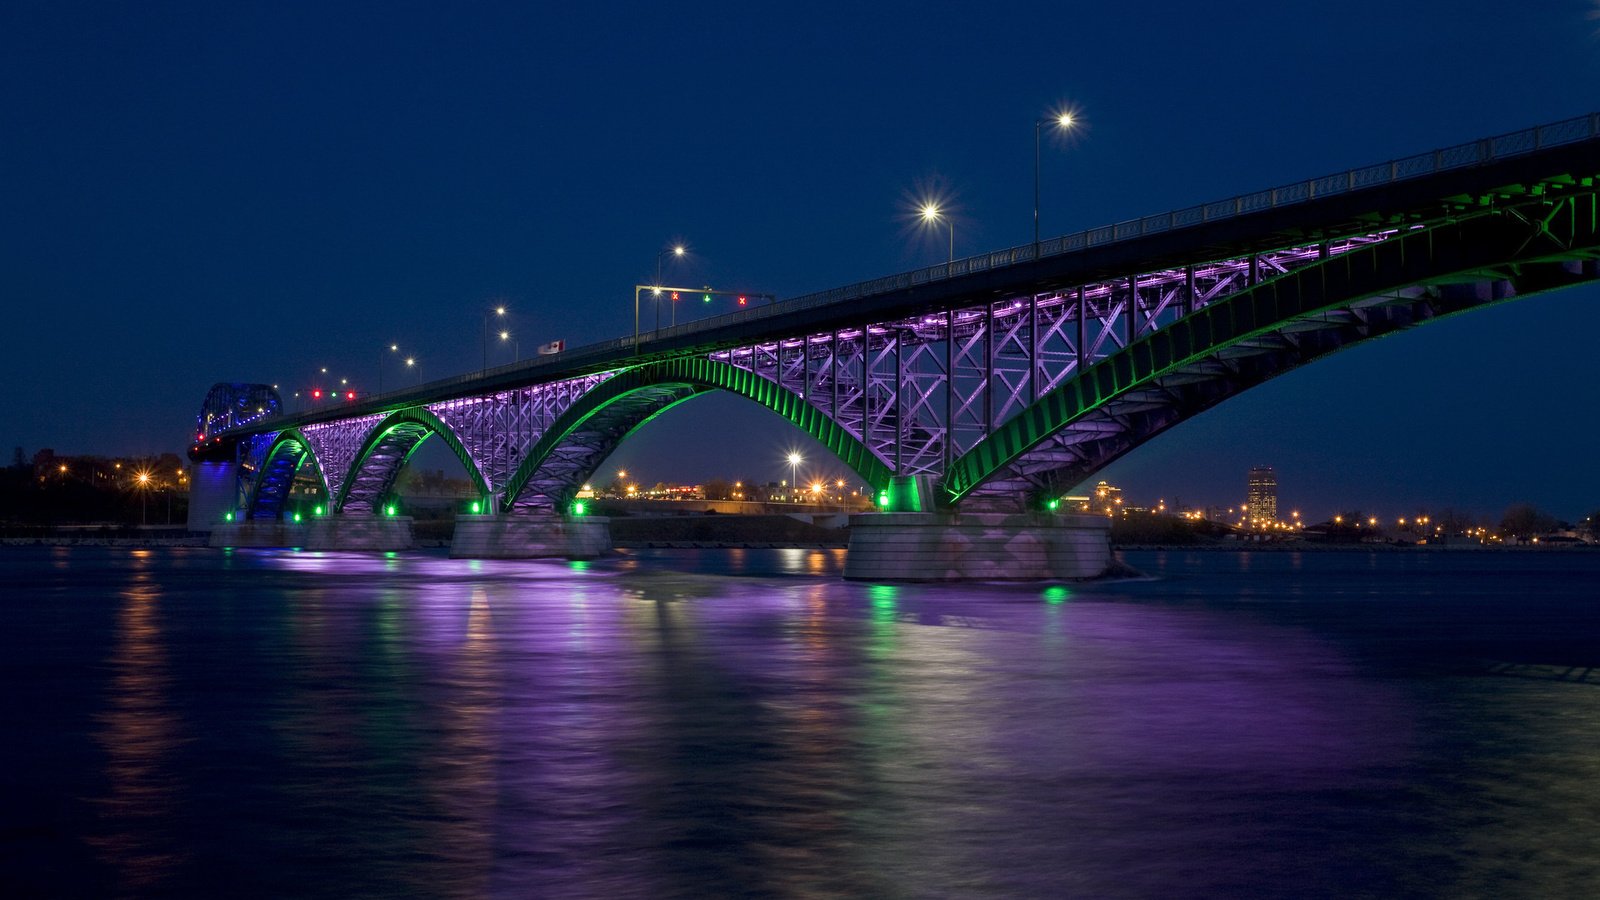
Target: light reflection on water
x,y
700,723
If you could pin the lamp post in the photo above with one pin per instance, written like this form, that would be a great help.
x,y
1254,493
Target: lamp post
x,y
516,345
1063,121
931,214
393,348
499,311
794,475
144,496
676,250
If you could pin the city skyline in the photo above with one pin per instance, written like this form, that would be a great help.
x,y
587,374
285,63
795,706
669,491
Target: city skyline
x,y
277,227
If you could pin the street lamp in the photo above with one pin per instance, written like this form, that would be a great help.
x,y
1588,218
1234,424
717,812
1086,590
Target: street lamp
x,y
515,345
676,250
144,495
795,459
931,214
393,348
1064,121
499,311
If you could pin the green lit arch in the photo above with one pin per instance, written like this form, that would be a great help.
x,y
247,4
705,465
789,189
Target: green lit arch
x,y
412,415
695,375
1526,255
285,439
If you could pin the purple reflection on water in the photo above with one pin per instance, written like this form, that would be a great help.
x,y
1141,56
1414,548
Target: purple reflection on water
x,y
718,724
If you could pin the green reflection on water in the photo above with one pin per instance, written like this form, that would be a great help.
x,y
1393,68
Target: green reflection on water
x,y
1056,594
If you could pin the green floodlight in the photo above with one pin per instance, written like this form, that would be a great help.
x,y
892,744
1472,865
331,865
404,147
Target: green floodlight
x,y
318,510
297,517
228,517
476,507
1052,504
578,507
883,498
388,510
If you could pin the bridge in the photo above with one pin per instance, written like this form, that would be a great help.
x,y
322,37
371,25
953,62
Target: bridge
x,y
969,395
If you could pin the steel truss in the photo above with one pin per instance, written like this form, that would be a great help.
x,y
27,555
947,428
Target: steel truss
x,y
921,391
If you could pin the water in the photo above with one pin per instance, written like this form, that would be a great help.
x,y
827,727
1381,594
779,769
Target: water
x,y
690,724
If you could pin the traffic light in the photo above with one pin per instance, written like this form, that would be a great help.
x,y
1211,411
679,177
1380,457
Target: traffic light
x,y
674,296
349,395
316,394
741,300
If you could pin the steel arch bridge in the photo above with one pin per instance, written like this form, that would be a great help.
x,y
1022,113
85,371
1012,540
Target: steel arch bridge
x,y
1011,377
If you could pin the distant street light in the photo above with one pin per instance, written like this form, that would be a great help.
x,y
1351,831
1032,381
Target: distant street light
x,y
516,345
1064,121
499,311
144,495
795,459
393,348
931,214
677,251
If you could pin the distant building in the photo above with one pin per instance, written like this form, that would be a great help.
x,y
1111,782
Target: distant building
x,y
1261,500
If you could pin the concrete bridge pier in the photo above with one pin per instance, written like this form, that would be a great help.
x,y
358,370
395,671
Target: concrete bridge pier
x,y
346,531
530,536
213,492
977,546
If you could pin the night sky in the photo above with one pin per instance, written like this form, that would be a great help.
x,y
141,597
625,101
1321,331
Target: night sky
x,y
232,192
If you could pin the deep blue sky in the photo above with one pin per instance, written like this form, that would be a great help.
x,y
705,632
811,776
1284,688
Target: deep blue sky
x,y
206,192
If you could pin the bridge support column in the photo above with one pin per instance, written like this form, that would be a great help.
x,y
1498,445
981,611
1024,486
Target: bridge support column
x,y
346,531
213,493
530,536
955,546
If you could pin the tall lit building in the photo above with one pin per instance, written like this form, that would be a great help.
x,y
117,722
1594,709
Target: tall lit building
x,y
1261,503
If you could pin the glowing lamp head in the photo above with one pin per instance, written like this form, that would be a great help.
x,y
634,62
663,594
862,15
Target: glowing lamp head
x,y
1064,120
930,212
678,250
499,310
795,459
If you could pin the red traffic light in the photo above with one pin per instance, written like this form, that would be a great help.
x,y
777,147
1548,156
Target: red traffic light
x,y
674,296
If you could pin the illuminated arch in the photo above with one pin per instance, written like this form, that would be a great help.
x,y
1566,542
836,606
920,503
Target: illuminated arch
x,y
269,490
586,433
385,452
1273,327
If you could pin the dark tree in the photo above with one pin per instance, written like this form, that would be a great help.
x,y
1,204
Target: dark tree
x,y
1524,520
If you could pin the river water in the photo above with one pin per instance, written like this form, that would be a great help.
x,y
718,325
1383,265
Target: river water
x,y
714,723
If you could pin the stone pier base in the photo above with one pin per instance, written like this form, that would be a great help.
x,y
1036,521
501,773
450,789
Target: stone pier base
x,y
530,536
341,532
977,547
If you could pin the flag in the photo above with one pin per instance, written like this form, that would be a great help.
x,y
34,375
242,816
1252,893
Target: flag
x,y
552,348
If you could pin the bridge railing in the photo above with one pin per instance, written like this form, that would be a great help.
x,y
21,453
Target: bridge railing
x,y
1473,153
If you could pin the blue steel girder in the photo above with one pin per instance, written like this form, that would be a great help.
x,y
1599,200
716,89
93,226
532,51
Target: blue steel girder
x,y
384,452
1276,325
570,450
274,479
